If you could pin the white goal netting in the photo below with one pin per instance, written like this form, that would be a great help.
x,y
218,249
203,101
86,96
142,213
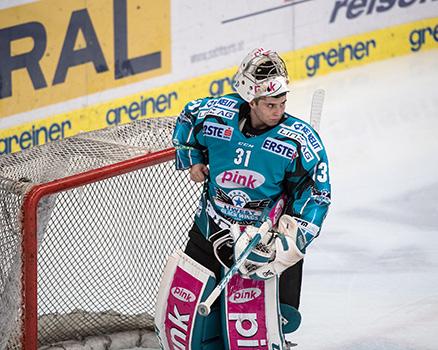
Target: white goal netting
x,y
102,244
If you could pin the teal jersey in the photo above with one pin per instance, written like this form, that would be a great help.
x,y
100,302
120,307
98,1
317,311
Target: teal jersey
x,y
248,174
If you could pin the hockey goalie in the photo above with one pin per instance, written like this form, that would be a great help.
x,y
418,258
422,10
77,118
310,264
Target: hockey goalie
x,y
266,194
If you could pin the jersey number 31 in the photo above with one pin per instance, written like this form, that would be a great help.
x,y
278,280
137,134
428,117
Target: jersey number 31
x,y
242,156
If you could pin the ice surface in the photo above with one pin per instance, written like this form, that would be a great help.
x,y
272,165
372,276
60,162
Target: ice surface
x,y
371,278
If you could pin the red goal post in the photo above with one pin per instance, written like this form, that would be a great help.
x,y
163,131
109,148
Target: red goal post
x,y
87,225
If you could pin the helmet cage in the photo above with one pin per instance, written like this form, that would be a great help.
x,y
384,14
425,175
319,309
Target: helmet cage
x,y
261,73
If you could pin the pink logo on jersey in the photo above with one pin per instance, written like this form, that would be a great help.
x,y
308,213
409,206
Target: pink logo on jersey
x,y
181,307
246,314
240,178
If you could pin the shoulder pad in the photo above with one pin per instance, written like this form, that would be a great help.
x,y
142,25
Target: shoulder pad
x,y
301,132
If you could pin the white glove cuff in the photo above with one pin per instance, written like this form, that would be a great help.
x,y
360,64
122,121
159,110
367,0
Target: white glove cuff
x,y
289,257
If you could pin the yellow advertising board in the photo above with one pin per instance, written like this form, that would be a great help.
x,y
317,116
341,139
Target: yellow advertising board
x,y
52,51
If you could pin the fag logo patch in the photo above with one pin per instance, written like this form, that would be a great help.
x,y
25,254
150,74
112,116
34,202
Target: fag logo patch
x,y
296,136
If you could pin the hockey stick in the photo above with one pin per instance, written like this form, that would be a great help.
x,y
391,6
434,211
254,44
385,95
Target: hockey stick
x,y
204,308
316,108
268,219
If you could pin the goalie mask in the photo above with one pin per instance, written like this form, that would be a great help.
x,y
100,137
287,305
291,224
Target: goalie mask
x,y
261,73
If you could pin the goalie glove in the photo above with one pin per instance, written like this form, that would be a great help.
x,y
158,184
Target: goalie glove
x,y
286,251
260,255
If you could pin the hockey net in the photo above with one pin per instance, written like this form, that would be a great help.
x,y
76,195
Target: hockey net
x,y
87,224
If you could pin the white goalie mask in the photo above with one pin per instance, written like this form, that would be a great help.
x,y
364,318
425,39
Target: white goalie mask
x,y
261,73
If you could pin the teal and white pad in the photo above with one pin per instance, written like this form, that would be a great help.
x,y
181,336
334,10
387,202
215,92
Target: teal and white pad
x,y
185,283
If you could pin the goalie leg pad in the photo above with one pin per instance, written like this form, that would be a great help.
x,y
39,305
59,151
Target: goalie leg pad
x,y
291,318
253,315
184,284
